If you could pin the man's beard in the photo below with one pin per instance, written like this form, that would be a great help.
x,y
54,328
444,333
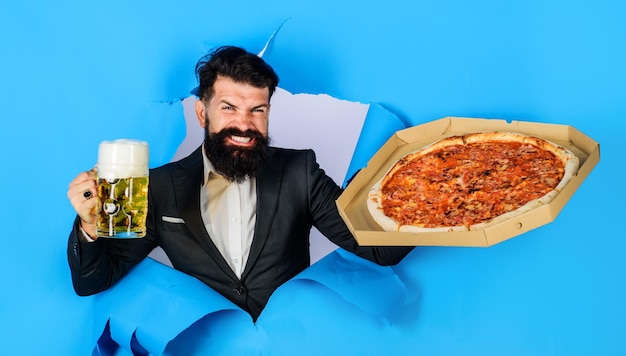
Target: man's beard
x,y
236,163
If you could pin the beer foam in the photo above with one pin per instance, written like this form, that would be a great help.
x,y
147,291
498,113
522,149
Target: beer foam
x,y
123,158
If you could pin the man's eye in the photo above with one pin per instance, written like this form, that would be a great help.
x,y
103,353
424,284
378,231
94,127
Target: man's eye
x,y
227,107
260,110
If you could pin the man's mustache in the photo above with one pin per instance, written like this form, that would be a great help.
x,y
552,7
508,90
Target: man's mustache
x,y
237,132
259,138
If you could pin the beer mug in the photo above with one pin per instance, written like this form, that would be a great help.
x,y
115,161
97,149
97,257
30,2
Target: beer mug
x,y
122,200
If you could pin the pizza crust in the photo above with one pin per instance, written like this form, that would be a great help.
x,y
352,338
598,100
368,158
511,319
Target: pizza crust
x,y
374,201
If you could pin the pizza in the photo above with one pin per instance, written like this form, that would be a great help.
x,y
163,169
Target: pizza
x,y
470,182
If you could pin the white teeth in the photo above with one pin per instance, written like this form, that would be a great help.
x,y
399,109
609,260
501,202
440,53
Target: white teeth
x,y
240,139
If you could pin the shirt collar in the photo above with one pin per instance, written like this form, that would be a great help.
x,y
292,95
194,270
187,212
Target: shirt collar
x,y
208,167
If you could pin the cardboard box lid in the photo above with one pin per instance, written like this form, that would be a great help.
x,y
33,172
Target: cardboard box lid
x,y
352,203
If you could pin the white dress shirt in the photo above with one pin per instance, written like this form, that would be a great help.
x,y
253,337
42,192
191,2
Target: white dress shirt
x,y
229,213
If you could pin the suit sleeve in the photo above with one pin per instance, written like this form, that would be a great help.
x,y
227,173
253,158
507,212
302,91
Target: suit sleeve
x,y
96,266
323,193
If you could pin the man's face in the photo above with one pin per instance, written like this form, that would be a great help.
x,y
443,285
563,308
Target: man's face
x,y
235,121
235,105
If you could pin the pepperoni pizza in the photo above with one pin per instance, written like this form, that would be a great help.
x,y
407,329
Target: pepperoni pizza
x,y
470,182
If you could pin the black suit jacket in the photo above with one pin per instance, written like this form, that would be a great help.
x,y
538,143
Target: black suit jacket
x,y
293,194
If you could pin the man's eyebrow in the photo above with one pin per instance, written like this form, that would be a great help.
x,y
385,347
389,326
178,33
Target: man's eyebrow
x,y
264,105
260,106
227,103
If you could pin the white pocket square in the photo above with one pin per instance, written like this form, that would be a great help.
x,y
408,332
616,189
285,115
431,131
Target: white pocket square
x,y
173,220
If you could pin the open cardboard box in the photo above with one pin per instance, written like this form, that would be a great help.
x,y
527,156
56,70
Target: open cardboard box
x,y
352,203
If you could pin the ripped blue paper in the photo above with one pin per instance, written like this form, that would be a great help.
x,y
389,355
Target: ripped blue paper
x,y
154,303
158,310
375,290
380,124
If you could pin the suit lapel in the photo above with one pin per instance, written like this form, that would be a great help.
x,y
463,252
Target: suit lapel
x,y
267,188
187,184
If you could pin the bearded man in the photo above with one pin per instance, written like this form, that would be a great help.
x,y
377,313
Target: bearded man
x,y
236,213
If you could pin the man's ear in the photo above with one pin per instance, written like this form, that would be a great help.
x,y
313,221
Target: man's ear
x,y
200,109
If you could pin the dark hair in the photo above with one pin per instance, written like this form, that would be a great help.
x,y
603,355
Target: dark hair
x,y
237,64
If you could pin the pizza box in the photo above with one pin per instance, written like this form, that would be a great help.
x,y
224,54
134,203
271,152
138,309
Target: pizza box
x,y
352,202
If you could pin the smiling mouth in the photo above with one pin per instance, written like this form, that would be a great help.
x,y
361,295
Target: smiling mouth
x,y
241,140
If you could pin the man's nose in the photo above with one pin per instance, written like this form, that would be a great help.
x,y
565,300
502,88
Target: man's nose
x,y
244,121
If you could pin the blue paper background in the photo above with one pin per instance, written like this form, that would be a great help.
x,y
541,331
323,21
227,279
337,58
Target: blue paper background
x,y
75,73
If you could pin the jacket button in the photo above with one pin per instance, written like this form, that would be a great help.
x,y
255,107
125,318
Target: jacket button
x,y
75,248
240,290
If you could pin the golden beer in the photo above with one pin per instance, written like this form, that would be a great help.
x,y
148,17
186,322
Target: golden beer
x,y
122,199
122,207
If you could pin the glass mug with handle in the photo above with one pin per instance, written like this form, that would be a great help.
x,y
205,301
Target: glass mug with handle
x,y
122,199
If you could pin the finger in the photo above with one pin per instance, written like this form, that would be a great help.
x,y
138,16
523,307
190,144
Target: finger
x,y
84,190
84,176
93,173
81,195
80,180
85,208
83,199
83,181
